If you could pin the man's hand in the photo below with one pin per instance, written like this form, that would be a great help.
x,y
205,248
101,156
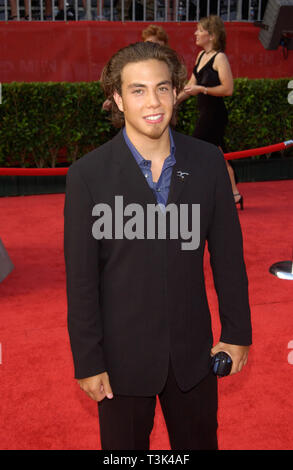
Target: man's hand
x,y
97,387
239,354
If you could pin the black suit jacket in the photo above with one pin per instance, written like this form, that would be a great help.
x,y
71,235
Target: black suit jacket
x,y
132,304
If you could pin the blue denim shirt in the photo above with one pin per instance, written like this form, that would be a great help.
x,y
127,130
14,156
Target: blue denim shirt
x,y
162,186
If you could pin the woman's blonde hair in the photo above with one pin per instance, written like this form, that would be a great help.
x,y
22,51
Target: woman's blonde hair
x,y
215,26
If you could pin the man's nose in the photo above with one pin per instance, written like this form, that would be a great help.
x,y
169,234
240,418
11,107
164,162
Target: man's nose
x,y
153,99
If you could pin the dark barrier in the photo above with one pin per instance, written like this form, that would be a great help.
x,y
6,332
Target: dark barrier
x,y
28,181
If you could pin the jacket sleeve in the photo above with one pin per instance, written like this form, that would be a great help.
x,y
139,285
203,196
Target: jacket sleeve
x,y
225,245
82,278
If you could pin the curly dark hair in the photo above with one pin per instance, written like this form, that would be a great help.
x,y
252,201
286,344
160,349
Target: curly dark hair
x,y
157,31
138,52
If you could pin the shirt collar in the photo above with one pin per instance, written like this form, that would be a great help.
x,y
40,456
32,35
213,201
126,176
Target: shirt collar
x,y
139,158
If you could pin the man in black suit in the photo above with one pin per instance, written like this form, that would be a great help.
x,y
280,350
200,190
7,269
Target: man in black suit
x,y
138,316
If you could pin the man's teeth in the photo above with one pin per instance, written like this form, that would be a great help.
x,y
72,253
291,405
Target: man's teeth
x,y
154,118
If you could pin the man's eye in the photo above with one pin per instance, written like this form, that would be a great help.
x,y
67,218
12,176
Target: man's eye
x,y
163,89
137,92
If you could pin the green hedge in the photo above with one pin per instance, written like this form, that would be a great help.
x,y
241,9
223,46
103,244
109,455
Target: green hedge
x,y
259,114
38,120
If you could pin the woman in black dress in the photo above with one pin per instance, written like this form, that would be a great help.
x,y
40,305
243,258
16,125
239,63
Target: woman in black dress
x,y
211,80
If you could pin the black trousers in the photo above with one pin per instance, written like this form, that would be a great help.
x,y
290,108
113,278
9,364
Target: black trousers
x,y
191,417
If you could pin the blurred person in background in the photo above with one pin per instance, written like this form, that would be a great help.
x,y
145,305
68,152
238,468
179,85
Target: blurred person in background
x,y
154,33
13,10
211,81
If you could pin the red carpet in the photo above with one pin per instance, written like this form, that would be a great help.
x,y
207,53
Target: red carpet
x,y
42,407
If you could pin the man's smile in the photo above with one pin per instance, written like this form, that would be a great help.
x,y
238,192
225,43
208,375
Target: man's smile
x,y
154,118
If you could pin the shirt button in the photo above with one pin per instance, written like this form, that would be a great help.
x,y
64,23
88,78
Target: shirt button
x,y
145,163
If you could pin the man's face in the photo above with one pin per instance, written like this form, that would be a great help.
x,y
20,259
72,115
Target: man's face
x,y
147,99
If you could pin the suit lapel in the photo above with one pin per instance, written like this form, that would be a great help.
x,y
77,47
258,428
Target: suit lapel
x,y
134,181
181,172
130,174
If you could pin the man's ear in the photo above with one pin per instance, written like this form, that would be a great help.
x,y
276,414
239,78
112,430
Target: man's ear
x,y
118,101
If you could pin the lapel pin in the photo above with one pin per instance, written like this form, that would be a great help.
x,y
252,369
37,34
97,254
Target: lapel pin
x,y
182,174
